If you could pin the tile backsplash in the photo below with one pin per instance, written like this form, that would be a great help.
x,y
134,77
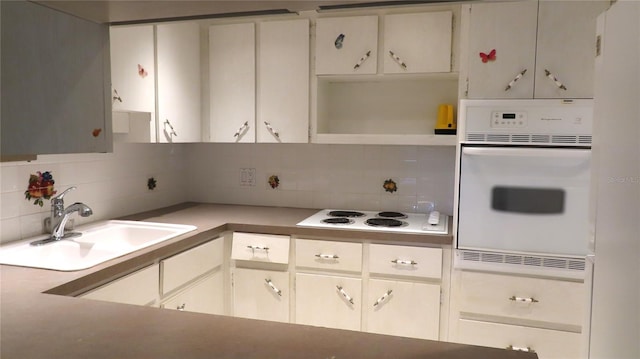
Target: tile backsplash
x,y
324,176
310,176
112,184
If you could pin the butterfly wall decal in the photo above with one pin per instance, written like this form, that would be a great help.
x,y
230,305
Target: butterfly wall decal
x,y
491,56
142,72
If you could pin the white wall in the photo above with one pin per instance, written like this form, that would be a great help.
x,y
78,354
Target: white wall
x,y
112,184
324,176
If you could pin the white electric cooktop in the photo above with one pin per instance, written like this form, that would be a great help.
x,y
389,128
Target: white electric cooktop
x,y
384,221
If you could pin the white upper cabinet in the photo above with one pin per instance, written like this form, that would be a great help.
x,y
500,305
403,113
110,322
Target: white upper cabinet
x,y
417,43
133,68
178,56
346,45
566,48
232,83
283,81
507,58
55,82
509,29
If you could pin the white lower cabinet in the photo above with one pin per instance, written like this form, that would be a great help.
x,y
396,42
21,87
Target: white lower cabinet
x,y
261,294
139,288
546,343
401,308
328,301
501,310
203,296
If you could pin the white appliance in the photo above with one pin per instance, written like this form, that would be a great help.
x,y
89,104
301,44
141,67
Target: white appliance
x,y
615,215
386,221
524,176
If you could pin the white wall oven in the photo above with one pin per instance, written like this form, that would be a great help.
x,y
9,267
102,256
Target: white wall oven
x,y
523,178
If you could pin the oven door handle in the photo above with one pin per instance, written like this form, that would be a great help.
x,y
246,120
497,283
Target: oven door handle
x,y
527,152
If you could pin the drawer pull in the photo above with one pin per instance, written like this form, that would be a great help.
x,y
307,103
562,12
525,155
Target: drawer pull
x,y
241,130
327,256
523,300
258,248
362,60
181,307
521,349
344,294
404,262
513,82
273,287
383,298
397,59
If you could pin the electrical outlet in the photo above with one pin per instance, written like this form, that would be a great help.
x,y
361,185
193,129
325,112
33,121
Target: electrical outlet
x,y
247,177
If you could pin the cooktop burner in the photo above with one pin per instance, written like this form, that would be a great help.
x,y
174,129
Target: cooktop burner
x,y
384,222
337,220
349,214
392,215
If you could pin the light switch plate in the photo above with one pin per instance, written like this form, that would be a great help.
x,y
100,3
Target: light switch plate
x,y
247,177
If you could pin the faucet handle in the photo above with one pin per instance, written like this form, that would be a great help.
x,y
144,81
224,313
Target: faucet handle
x,y
61,195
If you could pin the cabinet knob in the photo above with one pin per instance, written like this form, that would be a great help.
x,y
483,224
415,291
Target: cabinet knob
x,y
172,131
327,256
344,294
523,300
521,349
362,60
272,130
273,287
555,80
383,298
398,59
404,262
515,79
241,129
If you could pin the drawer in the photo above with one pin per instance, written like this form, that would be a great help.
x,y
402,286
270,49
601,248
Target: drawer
x,y
520,297
190,264
260,247
547,343
343,256
140,288
406,261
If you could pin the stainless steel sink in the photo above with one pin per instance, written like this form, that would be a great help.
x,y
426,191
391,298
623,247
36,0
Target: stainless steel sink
x,y
99,242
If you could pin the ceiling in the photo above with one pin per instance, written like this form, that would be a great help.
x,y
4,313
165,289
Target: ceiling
x,y
123,11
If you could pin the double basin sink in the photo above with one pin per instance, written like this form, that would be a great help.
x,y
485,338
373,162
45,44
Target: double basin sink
x,y
99,242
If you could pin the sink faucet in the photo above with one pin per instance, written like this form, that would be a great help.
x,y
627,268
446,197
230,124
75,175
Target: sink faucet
x,y
60,216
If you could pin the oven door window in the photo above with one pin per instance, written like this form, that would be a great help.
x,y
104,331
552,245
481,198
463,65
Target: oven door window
x,y
524,199
528,200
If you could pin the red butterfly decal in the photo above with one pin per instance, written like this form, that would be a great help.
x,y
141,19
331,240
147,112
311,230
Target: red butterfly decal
x,y
141,71
488,57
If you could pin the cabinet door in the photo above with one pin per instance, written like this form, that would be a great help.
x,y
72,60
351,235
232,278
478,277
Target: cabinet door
x,y
283,82
508,28
415,43
347,45
188,265
133,68
232,82
403,308
178,56
566,48
328,301
204,296
55,82
139,288
261,294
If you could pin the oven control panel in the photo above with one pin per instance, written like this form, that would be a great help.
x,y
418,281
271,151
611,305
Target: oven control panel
x,y
511,119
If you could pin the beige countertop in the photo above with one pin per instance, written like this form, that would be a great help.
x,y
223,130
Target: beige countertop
x,y
40,319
